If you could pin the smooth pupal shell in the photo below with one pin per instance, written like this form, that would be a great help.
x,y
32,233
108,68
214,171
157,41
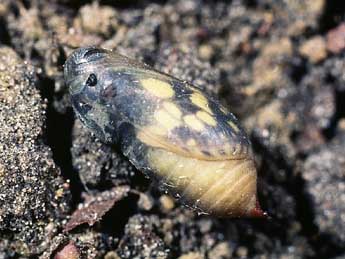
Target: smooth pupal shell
x,y
167,128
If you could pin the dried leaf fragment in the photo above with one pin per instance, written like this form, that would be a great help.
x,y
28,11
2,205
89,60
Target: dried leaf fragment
x,y
94,207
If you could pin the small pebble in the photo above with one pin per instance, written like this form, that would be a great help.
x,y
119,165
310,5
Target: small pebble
x,y
221,251
111,255
145,201
314,49
336,39
166,202
206,52
192,255
242,251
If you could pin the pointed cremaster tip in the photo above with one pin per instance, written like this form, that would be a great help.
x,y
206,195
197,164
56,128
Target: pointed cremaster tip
x,y
257,212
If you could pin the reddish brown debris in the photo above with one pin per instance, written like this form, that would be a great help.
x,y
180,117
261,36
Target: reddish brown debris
x,y
94,207
69,251
336,39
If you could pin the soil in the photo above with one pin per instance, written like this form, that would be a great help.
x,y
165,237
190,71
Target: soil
x,y
277,65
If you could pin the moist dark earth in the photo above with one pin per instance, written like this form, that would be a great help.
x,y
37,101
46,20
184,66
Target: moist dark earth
x,y
279,66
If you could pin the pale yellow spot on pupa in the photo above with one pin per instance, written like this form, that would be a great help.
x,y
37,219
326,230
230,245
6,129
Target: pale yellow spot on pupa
x,y
158,88
166,120
233,126
172,109
191,142
157,130
193,122
207,118
200,101
223,109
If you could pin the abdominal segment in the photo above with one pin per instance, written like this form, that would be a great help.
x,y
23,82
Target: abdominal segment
x,y
221,188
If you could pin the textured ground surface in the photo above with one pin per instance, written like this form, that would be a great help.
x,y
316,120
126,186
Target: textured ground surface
x,y
278,65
